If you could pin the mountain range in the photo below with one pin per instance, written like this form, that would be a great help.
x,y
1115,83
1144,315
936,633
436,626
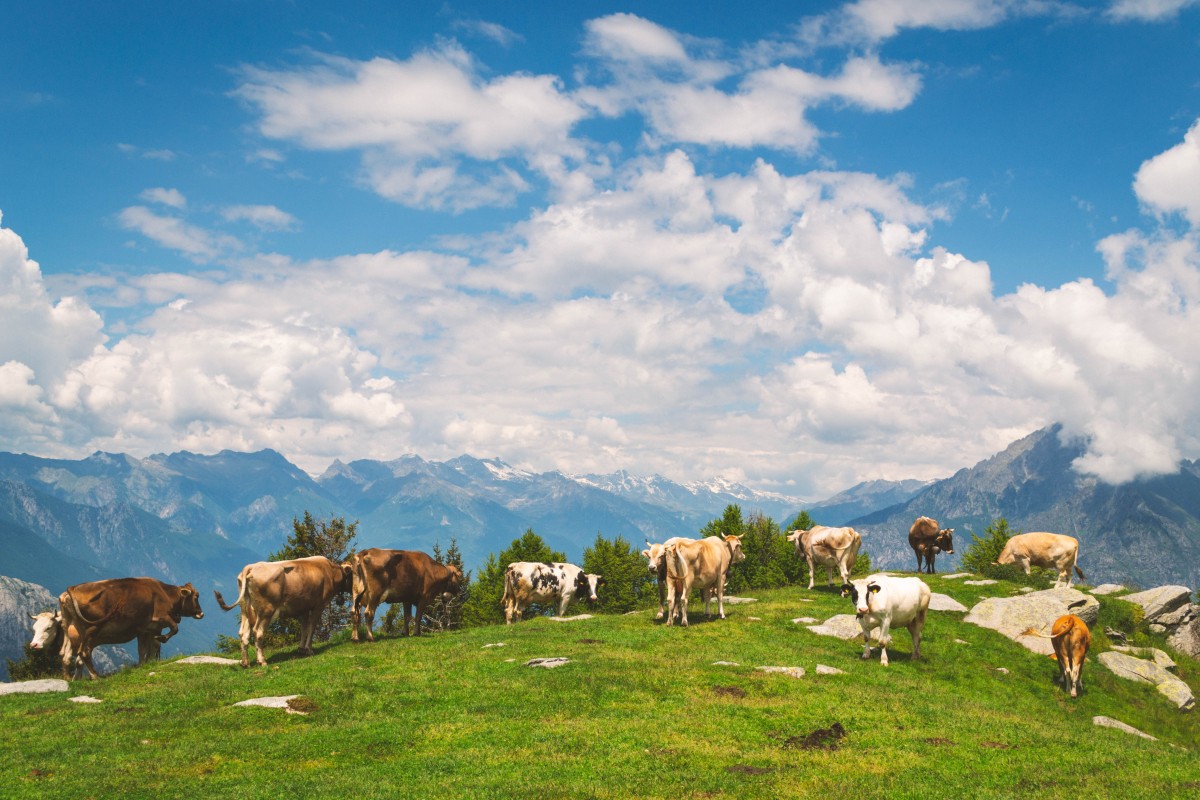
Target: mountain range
x,y
199,518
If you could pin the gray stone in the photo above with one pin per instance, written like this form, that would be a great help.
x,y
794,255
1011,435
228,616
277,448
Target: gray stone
x,y
547,663
1150,653
83,698
493,644
273,702
956,575
233,662
575,618
805,620
737,601
725,664
1159,601
1180,616
1116,724
34,687
794,672
944,602
983,582
1026,589
843,626
824,670
1012,616
1186,638
1108,588
1137,669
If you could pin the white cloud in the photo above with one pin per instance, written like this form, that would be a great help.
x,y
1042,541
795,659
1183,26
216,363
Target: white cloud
x,y
268,218
1170,182
1147,10
167,197
175,234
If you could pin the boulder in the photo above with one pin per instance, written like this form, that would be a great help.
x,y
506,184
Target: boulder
x,y
1186,638
1160,601
1137,669
1108,588
944,602
34,687
1150,653
981,582
1116,724
843,626
1012,616
824,670
793,672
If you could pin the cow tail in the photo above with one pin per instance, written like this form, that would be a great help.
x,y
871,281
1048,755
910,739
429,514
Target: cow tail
x,y
79,611
509,592
243,580
1079,572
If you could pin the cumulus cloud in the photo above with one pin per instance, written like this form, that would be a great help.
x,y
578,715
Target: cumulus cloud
x,y
167,197
268,218
173,233
1147,10
1170,182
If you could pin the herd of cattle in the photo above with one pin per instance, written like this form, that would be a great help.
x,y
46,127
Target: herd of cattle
x,y
119,610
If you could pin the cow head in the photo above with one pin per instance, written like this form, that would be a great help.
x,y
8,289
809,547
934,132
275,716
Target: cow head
x,y
46,626
586,585
734,543
944,542
345,577
653,555
861,593
189,602
800,539
453,583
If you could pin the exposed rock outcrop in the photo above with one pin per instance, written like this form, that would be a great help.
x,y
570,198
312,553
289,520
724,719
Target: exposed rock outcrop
x,y
1012,616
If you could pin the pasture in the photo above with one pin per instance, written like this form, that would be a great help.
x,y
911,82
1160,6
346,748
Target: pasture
x,y
640,711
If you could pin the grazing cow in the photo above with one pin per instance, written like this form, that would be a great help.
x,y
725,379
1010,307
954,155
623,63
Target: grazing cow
x,y
927,540
118,610
881,601
299,588
398,576
48,632
528,582
702,565
657,564
832,547
1071,639
1049,550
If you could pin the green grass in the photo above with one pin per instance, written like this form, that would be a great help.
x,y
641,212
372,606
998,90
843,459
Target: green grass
x,y
641,711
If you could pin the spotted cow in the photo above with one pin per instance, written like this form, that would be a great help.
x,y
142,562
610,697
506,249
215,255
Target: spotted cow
x,y
529,582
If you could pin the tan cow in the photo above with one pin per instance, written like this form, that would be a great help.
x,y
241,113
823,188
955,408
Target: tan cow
x,y
927,540
300,588
657,564
118,610
1049,550
832,547
1071,639
398,576
701,565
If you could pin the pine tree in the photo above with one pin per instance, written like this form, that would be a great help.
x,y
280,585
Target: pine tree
x,y
626,580
311,537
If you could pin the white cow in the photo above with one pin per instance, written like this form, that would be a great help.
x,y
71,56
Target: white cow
x,y
832,547
883,600
528,582
702,565
657,564
1050,550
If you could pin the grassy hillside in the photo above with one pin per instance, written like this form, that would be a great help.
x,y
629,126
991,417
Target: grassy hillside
x,y
640,711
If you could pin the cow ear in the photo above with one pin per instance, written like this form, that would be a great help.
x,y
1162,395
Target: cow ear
x,y
846,590
31,615
186,592
873,588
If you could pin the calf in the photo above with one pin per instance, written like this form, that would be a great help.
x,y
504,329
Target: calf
x,y
1049,550
1071,639
832,547
703,565
881,601
528,582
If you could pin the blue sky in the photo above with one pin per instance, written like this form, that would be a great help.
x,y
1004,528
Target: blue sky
x,y
794,244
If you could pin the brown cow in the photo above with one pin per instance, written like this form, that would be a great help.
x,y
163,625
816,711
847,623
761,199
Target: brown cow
x,y
1041,549
398,576
118,610
1071,639
927,540
702,565
300,588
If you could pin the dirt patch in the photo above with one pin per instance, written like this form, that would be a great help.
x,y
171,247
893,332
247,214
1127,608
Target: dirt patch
x,y
744,769
996,745
590,641
730,691
302,705
937,740
40,773
820,739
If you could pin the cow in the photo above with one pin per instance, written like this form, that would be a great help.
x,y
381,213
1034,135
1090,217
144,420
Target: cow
x,y
832,547
528,582
1071,639
657,564
1040,549
118,610
703,565
881,601
927,540
398,576
299,588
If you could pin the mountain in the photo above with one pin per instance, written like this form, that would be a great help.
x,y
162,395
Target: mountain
x,y
864,498
1143,533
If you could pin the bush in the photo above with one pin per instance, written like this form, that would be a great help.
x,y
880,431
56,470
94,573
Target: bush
x,y
626,580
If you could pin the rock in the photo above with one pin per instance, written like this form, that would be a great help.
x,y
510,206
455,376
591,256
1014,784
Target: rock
x,y
547,663
737,601
1137,669
1115,636
824,670
944,602
961,641
272,702
83,698
1116,724
956,576
1150,653
1160,601
1180,616
571,619
1002,670
1026,589
725,664
1012,616
208,660
1108,588
805,621
843,626
34,687
794,672
754,619
983,582
493,644
1186,639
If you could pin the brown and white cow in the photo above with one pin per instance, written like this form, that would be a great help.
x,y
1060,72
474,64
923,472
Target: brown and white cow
x,y
831,547
927,540
881,601
701,565
1040,549
657,564
299,588
528,582
48,633
118,610
398,576
1071,639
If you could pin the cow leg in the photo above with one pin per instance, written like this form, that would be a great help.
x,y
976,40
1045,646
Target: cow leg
x,y
170,625
829,574
408,609
419,613
812,575
369,613
355,619
915,628
260,633
885,639
866,654
662,589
